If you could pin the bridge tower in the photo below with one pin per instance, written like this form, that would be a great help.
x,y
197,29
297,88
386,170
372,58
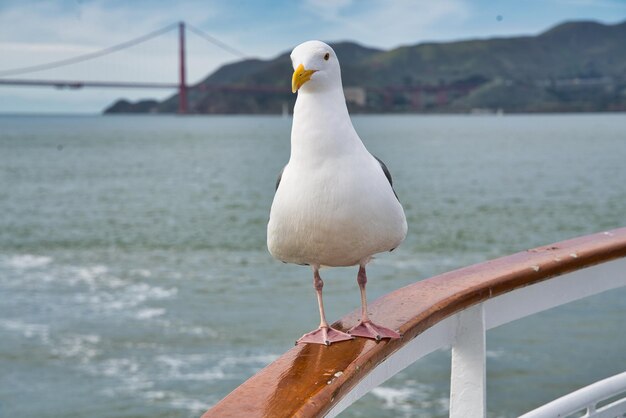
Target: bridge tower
x,y
182,83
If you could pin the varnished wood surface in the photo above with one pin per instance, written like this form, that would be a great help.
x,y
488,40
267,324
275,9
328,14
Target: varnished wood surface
x,y
309,379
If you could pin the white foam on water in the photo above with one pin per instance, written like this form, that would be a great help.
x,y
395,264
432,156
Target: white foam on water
x,y
260,359
97,277
181,328
27,330
208,375
191,367
195,406
89,274
127,371
177,400
118,367
171,362
81,347
28,261
134,379
93,288
126,297
94,285
203,367
145,273
77,347
198,330
392,397
413,395
149,313
227,367
39,270
152,292
494,353
155,395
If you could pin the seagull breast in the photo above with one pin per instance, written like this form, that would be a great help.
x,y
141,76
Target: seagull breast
x,y
334,204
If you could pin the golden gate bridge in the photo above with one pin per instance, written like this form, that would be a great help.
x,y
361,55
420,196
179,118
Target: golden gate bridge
x,y
182,85
441,92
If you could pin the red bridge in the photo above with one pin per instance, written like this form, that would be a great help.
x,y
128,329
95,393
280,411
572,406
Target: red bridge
x,y
182,85
442,94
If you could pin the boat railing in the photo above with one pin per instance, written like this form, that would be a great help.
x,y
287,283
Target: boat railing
x,y
588,400
454,309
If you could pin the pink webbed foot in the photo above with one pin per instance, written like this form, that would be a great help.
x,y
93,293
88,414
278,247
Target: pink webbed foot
x,y
324,335
368,329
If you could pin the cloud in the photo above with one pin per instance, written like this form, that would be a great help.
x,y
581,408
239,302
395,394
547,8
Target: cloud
x,y
614,4
34,47
328,8
34,33
83,24
388,23
39,31
333,15
56,32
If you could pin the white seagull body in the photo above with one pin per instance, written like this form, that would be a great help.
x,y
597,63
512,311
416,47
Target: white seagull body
x,y
334,203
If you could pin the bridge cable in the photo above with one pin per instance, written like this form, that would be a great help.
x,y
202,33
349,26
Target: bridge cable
x,y
88,56
216,41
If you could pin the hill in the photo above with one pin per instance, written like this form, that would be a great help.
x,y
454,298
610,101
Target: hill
x,y
575,66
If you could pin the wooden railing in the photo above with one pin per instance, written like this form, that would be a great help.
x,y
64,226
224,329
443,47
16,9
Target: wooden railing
x,y
453,309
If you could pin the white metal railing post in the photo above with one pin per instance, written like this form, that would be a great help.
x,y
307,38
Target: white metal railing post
x,y
468,376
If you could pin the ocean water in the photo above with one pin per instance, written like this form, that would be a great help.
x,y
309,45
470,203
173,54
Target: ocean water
x,y
135,280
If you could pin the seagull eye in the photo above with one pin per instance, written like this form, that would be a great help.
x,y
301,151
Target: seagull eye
x,y
327,56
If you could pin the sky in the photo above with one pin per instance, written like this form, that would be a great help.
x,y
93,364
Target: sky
x,y
34,32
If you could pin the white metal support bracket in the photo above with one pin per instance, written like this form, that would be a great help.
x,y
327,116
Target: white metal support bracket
x,y
468,377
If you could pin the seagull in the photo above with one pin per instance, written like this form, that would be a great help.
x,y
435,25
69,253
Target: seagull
x,y
335,205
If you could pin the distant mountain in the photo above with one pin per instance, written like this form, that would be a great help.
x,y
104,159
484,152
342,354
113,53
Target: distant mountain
x,y
143,106
575,66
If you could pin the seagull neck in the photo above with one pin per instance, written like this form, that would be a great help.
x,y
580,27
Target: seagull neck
x,y
322,126
324,102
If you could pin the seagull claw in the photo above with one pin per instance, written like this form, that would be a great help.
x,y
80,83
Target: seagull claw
x,y
370,330
325,336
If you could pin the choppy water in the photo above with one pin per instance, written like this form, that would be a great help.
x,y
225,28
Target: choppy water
x,y
134,278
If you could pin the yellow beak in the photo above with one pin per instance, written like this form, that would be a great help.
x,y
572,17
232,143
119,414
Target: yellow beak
x,y
300,76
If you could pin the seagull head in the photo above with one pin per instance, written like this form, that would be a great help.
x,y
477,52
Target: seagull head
x,y
315,66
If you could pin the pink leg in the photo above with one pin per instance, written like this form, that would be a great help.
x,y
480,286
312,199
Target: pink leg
x,y
324,334
366,328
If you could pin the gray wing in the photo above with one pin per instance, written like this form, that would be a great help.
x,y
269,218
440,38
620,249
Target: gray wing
x,y
280,176
387,174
